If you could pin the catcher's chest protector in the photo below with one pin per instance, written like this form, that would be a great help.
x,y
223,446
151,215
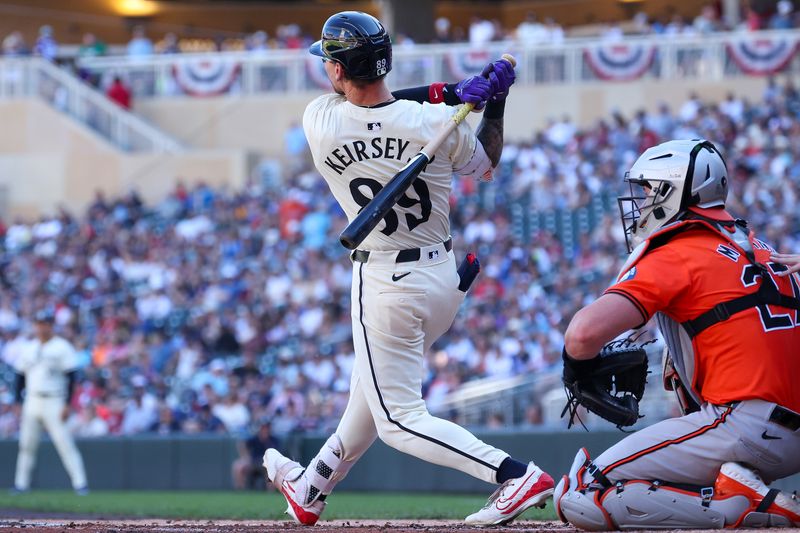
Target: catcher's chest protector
x,y
679,336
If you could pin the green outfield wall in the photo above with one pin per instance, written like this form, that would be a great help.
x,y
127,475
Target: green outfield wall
x,y
204,463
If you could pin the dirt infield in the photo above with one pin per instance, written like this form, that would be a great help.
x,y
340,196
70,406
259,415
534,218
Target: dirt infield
x,y
51,525
67,525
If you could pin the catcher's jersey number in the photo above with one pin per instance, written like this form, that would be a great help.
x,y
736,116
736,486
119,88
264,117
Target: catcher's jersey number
x,y
770,321
423,199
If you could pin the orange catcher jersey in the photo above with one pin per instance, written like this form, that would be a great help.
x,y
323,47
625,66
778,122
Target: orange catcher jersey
x,y
754,354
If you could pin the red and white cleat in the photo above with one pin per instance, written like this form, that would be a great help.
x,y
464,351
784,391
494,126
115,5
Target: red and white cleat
x,y
734,478
514,497
287,476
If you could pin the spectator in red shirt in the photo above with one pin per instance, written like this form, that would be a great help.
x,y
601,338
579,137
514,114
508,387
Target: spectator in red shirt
x,y
119,93
290,212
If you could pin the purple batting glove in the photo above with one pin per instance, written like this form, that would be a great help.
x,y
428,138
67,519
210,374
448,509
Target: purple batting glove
x,y
475,90
501,76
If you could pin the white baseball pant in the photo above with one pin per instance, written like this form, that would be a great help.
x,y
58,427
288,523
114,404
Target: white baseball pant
x,y
46,410
691,449
396,318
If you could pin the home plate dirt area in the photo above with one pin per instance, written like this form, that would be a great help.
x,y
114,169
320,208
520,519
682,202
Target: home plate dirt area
x,y
34,524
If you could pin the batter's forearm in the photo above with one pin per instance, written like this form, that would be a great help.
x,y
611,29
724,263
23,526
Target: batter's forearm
x,y
434,93
490,131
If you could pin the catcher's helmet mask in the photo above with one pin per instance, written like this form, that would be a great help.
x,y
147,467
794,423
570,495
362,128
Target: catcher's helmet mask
x,y
359,42
668,179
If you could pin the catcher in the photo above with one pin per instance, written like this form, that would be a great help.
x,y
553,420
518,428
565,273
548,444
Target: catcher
x,y
732,327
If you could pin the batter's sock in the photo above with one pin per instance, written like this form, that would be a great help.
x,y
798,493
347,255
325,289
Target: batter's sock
x,y
509,469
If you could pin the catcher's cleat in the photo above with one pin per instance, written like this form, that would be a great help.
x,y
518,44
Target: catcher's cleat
x,y
305,507
736,479
513,497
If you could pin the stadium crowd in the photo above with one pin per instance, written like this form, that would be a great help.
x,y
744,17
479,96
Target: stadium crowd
x,y
215,310
478,32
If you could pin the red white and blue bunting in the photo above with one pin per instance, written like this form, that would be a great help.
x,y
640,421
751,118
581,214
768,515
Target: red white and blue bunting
x,y
619,62
463,65
762,56
205,77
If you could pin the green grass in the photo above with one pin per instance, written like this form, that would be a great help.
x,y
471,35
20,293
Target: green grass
x,y
251,505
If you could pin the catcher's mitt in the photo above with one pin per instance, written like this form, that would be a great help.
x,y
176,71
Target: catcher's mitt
x,y
610,385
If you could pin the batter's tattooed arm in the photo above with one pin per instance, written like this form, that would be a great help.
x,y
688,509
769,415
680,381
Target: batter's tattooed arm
x,y
490,131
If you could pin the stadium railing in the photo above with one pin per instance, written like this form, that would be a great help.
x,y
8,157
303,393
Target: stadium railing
x,y
37,78
715,56
475,402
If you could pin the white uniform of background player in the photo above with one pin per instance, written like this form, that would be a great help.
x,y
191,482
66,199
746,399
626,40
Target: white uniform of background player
x,y
45,363
405,294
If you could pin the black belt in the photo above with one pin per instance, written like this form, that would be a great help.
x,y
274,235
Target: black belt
x,y
786,418
403,256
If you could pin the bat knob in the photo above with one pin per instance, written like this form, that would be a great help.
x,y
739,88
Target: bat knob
x,y
511,59
347,242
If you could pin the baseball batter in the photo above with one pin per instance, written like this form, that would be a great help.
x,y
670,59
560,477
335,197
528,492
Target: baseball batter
x,y
45,371
406,289
732,326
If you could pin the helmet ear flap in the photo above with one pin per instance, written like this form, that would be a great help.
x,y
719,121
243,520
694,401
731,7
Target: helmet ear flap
x,y
706,189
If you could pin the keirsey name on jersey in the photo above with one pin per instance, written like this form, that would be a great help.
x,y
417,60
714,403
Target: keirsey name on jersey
x,y
347,154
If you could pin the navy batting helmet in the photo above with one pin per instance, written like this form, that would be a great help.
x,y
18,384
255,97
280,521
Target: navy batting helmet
x,y
359,42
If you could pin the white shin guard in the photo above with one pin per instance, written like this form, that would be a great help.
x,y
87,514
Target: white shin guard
x,y
640,504
327,468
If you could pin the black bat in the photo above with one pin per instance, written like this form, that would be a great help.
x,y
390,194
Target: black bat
x,y
371,215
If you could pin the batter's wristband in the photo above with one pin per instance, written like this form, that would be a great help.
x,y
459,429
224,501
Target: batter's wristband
x,y
495,109
436,92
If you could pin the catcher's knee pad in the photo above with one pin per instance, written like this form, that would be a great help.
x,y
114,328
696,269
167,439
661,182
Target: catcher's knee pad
x,y
328,468
583,510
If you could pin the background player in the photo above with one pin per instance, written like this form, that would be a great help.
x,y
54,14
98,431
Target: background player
x,y
708,281
46,371
406,290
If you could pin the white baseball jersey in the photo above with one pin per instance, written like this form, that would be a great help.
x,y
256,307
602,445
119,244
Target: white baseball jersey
x,y
45,366
399,307
359,149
